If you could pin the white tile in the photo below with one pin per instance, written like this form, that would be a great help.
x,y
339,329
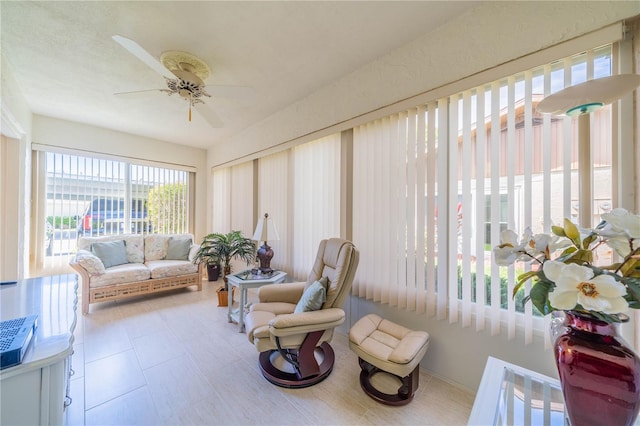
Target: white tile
x,y
154,349
110,377
133,408
174,359
176,384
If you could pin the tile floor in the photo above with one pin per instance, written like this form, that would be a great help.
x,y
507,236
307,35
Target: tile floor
x,y
175,360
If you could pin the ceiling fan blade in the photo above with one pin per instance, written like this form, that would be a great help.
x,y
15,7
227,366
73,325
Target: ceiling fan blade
x,y
136,50
209,115
142,91
232,92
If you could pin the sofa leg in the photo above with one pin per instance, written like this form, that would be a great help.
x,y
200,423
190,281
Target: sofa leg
x,y
85,299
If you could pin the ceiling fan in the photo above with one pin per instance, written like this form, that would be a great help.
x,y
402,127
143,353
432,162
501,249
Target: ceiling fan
x,y
184,75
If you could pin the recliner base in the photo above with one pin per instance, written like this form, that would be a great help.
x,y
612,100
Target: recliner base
x,y
315,373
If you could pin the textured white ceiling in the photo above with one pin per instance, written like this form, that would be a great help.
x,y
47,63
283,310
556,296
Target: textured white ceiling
x,y
68,66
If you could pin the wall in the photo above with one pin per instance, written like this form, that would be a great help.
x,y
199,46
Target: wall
x,y
15,166
493,34
489,35
9,209
80,137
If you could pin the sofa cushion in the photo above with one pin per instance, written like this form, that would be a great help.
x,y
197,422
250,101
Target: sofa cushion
x,y
134,245
121,274
178,249
170,268
112,253
155,247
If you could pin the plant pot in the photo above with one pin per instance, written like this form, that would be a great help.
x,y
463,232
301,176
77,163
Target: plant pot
x,y
223,296
599,374
213,272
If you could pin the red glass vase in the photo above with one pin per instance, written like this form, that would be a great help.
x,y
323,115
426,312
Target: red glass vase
x,y
599,374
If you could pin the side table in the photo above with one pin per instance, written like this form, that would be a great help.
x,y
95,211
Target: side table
x,y
244,281
513,395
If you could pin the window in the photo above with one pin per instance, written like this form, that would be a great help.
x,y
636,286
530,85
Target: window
x,y
84,196
435,185
300,190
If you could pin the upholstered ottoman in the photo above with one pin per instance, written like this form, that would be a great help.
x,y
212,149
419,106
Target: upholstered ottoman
x,y
382,345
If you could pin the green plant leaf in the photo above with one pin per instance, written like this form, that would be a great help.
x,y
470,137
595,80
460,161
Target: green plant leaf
x,y
588,240
572,232
566,254
605,317
630,268
558,230
580,257
522,279
633,291
539,296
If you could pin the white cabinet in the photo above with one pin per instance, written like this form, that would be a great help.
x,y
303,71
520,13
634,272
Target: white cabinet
x,y
36,392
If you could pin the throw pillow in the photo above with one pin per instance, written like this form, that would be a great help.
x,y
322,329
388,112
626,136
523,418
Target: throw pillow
x,y
112,253
313,297
178,249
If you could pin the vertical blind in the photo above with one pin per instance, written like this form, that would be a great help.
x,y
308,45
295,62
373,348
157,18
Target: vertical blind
x,y
242,199
221,198
300,190
395,184
435,185
273,198
316,199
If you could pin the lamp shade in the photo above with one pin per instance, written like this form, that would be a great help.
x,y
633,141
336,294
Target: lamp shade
x,y
590,95
266,230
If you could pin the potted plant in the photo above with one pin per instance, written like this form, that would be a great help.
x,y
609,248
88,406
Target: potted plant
x,y
221,249
210,259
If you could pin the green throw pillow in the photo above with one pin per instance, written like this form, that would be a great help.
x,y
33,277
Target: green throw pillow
x,y
313,297
112,253
178,249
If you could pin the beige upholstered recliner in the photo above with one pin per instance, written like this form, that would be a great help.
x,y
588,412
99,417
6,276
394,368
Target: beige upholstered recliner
x,y
301,339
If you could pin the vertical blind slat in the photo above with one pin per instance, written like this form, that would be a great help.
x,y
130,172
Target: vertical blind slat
x,y
430,188
510,159
421,296
465,209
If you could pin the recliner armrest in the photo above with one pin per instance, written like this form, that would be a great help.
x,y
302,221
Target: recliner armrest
x,y
285,292
306,322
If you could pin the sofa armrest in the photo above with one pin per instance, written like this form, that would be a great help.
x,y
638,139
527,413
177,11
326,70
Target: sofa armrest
x,y
286,292
306,322
87,261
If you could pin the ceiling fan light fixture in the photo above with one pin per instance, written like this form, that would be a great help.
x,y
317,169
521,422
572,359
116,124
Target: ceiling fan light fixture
x,y
176,61
584,109
589,95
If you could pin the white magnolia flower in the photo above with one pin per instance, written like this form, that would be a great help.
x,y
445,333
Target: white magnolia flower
x,y
545,243
510,249
622,220
621,230
576,284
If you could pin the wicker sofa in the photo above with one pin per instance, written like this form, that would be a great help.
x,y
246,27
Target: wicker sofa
x,y
119,266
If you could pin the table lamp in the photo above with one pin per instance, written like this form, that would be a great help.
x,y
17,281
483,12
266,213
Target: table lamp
x,y
581,100
265,231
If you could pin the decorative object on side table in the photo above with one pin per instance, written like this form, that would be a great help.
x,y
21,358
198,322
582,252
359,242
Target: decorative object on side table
x,y
265,231
223,248
600,375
